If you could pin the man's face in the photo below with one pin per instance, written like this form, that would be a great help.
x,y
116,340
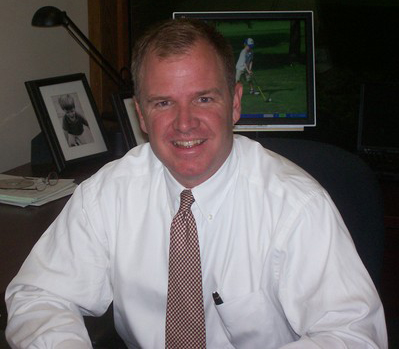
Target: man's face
x,y
188,112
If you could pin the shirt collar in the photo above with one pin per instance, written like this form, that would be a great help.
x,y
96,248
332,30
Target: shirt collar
x,y
205,199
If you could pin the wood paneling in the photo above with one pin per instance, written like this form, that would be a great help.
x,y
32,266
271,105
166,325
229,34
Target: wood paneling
x,y
109,31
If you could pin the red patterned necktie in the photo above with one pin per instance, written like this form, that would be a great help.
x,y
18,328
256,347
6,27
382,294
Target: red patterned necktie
x,y
185,315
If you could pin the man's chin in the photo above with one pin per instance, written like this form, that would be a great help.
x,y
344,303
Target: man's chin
x,y
190,178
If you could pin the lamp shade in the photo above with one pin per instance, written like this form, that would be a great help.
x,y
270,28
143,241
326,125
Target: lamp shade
x,y
49,16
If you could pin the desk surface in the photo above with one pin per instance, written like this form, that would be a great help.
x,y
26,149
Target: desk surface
x,y
22,227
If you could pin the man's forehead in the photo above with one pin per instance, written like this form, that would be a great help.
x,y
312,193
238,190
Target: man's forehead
x,y
153,59
159,54
201,52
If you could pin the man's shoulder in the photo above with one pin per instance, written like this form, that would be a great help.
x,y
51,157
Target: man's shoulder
x,y
267,169
139,162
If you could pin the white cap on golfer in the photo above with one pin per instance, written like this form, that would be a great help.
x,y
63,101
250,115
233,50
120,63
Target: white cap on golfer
x,y
249,42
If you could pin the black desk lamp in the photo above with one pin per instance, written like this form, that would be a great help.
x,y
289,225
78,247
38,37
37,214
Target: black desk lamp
x,y
50,16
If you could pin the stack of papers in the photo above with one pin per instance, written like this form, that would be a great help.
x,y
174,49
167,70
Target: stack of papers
x,y
29,196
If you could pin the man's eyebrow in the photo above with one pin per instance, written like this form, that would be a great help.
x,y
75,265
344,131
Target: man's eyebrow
x,y
151,99
209,91
155,98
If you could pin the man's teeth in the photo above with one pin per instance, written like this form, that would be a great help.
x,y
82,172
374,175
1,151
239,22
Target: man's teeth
x,y
187,144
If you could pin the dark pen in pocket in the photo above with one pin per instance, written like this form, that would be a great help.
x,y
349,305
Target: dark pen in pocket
x,y
216,298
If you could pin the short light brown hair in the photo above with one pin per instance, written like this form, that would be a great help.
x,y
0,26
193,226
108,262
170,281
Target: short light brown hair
x,y
177,37
66,102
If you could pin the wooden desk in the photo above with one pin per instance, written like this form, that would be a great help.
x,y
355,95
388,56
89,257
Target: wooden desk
x,y
21,227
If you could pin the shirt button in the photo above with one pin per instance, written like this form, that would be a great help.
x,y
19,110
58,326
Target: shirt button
x,y
210,217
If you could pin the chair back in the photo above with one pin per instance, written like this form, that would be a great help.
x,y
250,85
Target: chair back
x,y
352,185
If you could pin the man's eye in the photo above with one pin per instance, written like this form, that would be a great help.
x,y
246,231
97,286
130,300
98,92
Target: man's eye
x,y
205,99
162,104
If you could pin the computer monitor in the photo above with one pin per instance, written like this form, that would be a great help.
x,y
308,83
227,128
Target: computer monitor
x,y
378,130
280,92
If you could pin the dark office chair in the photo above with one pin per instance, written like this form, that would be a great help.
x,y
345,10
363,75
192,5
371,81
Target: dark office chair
x,y
352,186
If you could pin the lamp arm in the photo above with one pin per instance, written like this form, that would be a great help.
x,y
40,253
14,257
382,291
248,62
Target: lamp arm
x,y
90,49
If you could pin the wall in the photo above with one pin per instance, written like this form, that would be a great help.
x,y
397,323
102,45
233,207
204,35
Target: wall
x,y
30,53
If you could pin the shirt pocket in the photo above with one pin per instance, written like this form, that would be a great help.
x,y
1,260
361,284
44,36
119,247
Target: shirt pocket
x,y
252,321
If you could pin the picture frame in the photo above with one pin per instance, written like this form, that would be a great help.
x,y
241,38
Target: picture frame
x,y
68,118
125,111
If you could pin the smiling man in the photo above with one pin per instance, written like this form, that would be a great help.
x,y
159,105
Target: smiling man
x,y
186,106
199,238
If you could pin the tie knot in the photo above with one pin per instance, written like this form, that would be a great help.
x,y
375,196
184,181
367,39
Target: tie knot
x,y
186,200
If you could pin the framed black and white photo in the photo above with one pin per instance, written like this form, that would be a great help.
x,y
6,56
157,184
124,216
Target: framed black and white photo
x,y
68,117
125,110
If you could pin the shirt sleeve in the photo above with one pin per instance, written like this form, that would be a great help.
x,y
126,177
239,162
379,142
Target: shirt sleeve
x,y
65,276
327,295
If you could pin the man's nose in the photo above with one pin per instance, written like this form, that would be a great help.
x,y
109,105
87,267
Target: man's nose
x,y
185,119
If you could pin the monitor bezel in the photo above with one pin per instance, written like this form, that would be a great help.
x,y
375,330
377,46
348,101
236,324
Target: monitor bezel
x,y
307,16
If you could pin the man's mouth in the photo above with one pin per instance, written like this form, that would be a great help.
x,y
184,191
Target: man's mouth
x,y
188,144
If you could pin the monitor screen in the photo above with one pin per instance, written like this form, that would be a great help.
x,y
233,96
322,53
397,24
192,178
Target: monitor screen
x,y
378,117
274,54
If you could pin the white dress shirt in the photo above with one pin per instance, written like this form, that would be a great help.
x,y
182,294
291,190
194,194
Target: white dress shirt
x,y
272,242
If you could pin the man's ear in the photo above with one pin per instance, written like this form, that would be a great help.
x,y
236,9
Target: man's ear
x,y
237,102
140,115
